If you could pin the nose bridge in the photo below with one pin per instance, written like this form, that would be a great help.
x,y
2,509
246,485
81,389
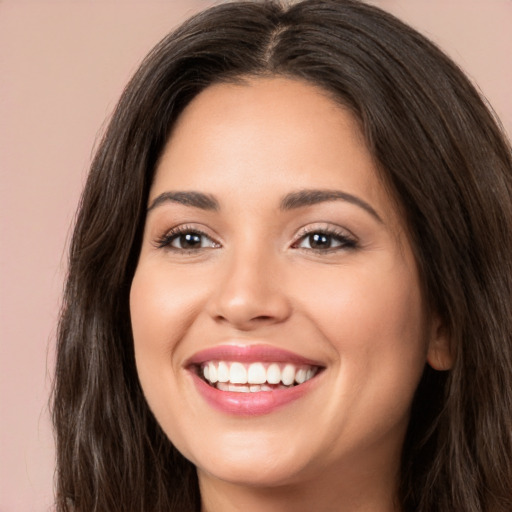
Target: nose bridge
x,y
251,290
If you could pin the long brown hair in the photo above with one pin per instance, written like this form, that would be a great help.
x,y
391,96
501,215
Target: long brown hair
x,y
445,160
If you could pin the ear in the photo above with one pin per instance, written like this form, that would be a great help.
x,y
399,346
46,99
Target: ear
x,y
439,353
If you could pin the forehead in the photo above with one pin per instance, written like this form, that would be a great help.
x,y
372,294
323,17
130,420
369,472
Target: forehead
x,y
274,134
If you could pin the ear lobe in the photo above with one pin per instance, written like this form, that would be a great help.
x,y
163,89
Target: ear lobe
x,y
439,353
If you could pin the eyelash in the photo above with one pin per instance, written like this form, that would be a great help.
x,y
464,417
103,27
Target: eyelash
x,y
345,241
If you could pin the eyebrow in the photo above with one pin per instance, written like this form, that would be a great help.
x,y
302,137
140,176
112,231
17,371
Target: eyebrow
x,y
293,200
303,198
194,199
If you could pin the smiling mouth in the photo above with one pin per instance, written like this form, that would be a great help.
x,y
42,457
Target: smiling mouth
x,y
255,377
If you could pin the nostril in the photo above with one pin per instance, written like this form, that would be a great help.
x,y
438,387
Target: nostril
x,y
262,318
257,319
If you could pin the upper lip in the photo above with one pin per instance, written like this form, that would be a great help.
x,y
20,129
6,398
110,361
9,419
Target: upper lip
x,y
249,354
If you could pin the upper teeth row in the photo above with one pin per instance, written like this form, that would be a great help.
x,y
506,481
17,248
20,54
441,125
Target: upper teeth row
x,y
256,373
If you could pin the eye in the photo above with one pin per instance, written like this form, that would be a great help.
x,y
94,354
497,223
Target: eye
x,y
192,240
324,241
186,239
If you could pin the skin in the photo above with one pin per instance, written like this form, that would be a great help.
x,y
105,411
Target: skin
x,y
255,278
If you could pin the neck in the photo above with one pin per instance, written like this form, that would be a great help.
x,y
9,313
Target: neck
x,y
371,492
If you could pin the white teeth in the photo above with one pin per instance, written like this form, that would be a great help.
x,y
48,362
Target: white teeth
x,y
238,389
255,377
300,376
288,375
256,374
222,372
237,374
274,374
212,370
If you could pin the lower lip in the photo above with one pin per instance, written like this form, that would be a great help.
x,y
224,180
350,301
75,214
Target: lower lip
x,y
251,404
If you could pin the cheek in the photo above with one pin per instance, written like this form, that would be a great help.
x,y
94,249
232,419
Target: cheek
x,y
370,307
162,306
374,321
377,329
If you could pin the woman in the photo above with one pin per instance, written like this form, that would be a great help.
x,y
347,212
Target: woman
x,y
290,278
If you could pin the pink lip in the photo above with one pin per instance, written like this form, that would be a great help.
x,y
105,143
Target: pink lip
x,y
249,404
249,354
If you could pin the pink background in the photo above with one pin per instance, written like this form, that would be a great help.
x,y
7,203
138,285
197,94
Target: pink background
x,y
62,68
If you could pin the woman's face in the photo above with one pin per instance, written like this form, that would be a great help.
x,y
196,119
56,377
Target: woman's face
x,y
274,258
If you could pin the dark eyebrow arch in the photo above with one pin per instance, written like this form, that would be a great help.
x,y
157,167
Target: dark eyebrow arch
x,y
303,198
194,199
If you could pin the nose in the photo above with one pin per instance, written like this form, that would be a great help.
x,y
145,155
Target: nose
x,y
251,294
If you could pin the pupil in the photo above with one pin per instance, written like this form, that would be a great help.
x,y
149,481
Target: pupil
x,y
319,241
190,240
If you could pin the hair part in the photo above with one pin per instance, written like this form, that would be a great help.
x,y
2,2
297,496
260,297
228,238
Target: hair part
x,y
445,161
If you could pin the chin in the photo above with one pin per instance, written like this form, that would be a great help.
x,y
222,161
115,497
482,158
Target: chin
x,y
258,461
249,473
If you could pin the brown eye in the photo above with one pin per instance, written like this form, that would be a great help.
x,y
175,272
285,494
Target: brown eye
x,y
320,241
186,240
325,241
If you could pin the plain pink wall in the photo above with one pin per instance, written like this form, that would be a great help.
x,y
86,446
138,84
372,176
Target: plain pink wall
x,y
62,67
